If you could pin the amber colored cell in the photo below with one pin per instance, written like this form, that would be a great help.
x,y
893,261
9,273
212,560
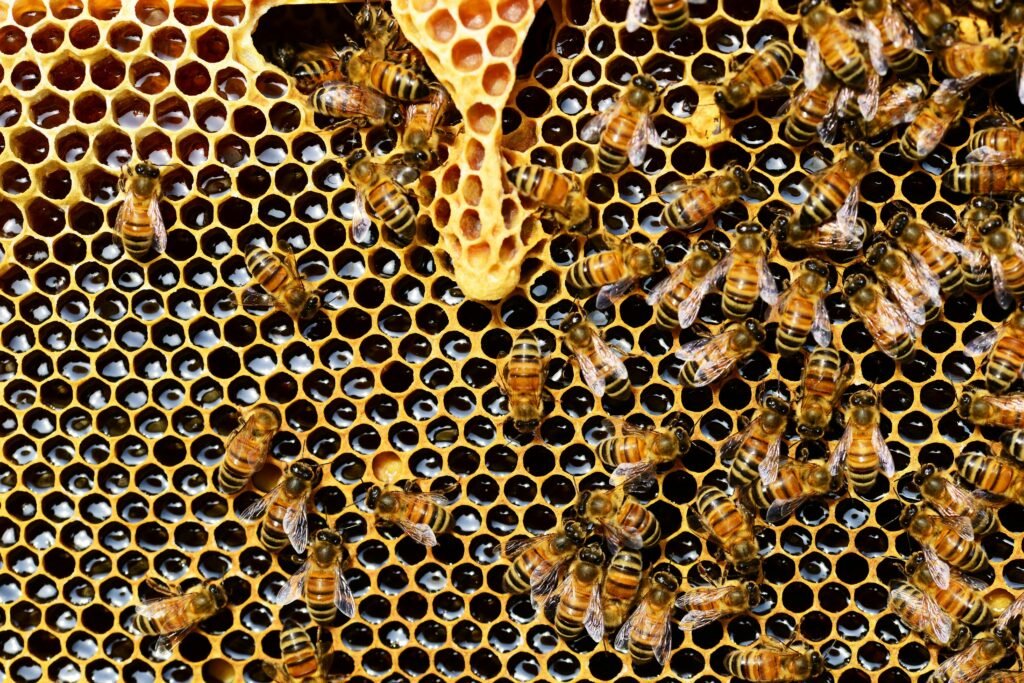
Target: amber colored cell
x,y
248,121
12,40
89,108
228,12
10,110
72,146
104,10
442,212
25,76
54,181
467,55
441,26
271,85
192,78
48,38
475,154
150,76
193,149
190,12
472,190
83,35
66,9
513,10
152,12
231,84
168,43
501,41
212,46
107,73
450,179
211,115
423,5
130,110
474,14
125,36
469,224
156,148
68,74
28,12
482,117
50,111
171,113
496,79
112,148
30,145
14,178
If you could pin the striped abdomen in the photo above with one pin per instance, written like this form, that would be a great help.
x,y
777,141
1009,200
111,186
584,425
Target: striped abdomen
x,y
272,533
825,198
298,654
690,209
995,475
614,145
634,516
596,270
671,14
862,464
762,665
267,269
243,456
1005,363
308,75
749,455
320,585
959,552
621,583
722,518
570,613
621,450
1013,271
397,81
525,366
646,633
795,321
137,228
393,208
843,57
807,113
741,289
540,184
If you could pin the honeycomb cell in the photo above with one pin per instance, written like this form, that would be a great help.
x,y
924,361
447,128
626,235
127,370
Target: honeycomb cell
x,y
168,43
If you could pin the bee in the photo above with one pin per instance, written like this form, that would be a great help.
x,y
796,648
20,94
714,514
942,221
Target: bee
x,y
1005,254
315,66
774,664
671,14
747,276
971,60
801,311
823,381
962,600
730,526
985,409
969,665
897,104
378,28
602,370
893,35
930,250
626,127
174,613
421,132
285,507
998,477
976,265
139,222
247,448
522,381
933,20
615,270
621,584
942,543
832,44
795,482
285,288
422,515
623,521
559,195
536,562
934,118
756,450
999,144
835,189
367,67
677,298
846,233
691,203
321,580
923,615
708,359
707,604
646,633
812,112
961,508
913,287
985,178
579,597
637,452
1004,347
1011,444
355,105
892,331
301,660
758,74
862,446
379,186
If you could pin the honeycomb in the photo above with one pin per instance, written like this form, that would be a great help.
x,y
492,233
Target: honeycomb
x,y
121,379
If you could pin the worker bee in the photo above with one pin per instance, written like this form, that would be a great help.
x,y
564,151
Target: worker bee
x,y
923,615
285,507
892,331
522,381
422,515
316,65
1011,444
646,633
247,448
139,222
301,660
677,298
536,562
998,477
970,60
1004,347
579,596
757,75
691,203
999,144
933,20
708,604
421,132
708,359
795,482
969,513
823,381
354,105
559,195
615,270
846,233
985,409
862,446
601,368
747,276
623,521
1005,254
621,584
962,600
913,287
379,186
893,35
321,580
970,665
626,127
367,67
985,178
801,311
671,14
174,613
897,104
774,663
832,44
930,250
285,288
638,451
812,112
835,189
934,117
730,526
942,542
756,450
976,265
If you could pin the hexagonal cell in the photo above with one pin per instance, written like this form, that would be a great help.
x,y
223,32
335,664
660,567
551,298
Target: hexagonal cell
x,y
83,35
168,43
47,38
152,12
89,108
28,12
467,55
149,76
192,78
25,76
68,74
50,111
501,41
129,110
212,45
66,9
104,10
107,73
191,12
228,12
441,26
171,113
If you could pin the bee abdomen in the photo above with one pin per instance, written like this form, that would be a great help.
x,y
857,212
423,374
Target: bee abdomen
x,y
399,82
671,14
395,211
320,600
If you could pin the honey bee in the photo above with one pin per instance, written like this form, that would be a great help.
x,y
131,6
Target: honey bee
x,y
930,250
933,20
959,507
601,368
997,477
285,288
247,448
285,507
646,633
623,521
707,604
615,270
579,597
379,186
758,74
747,276
1005,254
985,409
970,60
321,580
897,104
174,613
316,65
378,28
1011,444
976,265
893,35
846,233
756,450
139,222
1004,347
913,287
812,112
677,298
522,381
942,543
824,380
892,331
835,189
985,178
999,144
691,203
301,661
795,483
862,446
730,526
708,359
422,119
671,14
621,584
638,451
354,105
832,44
558,194
801,311
962,600
969,665
422,515
367,67
934,117
923,615
626,127
774,663
536,562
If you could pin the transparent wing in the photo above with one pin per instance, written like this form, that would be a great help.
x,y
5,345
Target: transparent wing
x,y
702,596
674,190
343,598
692,350
769,467
296,523
835,461
517,546
945,242
638,616
360,220
544,579
667,285
664,642
885,462
162,588
259,508
690,306
1014,609
166,643
897,30
421,533
889,316
963,667
591,376
867,101
781,508
295,587
159,229
989,155
936,567
821,328
1003,295
873,39
627,472
607,295
843,234
961,525
642,136
122,216
729,446
593,620
253,298
938,622
636,14
161,608
923,277
814,67
611,359
593,128
769,290
912,308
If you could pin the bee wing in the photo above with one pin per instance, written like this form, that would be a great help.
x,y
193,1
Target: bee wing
x,y
294,588
688,309
544,579
989,155
885,462
607,295
1003,295
715,361
159,230
610,358
343,598
627,472
702,595
961,525
122,216
644,135
166,643
517,546
781,508
936,567
162,588
945,242
696,619
896,28
636,14
821,328
766,282
838,456
730,445
873,38
814,67
692,349
421,533
590,375
674,190
911,308
360,219
829,126
296,523
663,646
769,467
963,666
867,101
638,616
593,619
960,497
937,621
259,508
891,316
161,608
253,298
1014,609
597,123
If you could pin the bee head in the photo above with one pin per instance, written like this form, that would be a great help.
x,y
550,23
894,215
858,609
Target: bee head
x,y
645,82
354,158
988,204
575,532
863,399
945,35
592,553
749,567
711,249
306,470
913,562
755,329
1003,635
960,639
741,176
854,283
809,6
963,406
861,150
665,580
217,594
581,506
146,170
571,320
329,537
876,252
526,426
776,404
908,515
753,594
657,258
815,663
373,496
922,476
748,228
817,267
721,101
898,223
312,306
